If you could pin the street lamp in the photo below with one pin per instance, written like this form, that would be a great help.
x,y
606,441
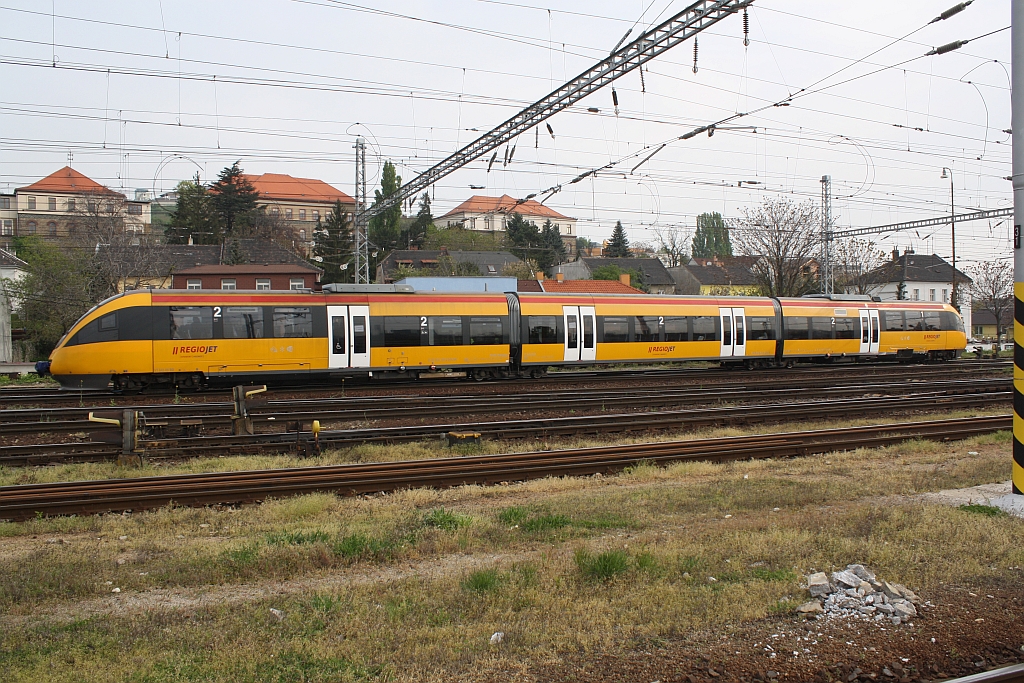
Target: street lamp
x,y
952,233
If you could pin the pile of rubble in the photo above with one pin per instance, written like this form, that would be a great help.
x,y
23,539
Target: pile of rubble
x,y
856,592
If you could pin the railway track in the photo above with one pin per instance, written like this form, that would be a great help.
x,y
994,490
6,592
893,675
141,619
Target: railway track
x,y
116,495
604,423
1006,674
29,396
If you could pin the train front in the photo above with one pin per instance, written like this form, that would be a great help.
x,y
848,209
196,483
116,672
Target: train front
x,y
112,342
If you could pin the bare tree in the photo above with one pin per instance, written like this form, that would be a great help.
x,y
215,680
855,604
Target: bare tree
x,y
992,290
853,261
785,236
672,244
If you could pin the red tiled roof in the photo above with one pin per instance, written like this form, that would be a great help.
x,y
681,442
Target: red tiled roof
x,y
589,287
528,286
249,268
505,204
68,180
287,188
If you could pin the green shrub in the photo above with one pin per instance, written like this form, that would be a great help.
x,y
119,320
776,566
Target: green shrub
x,y
765,574
987,510
482,581
604,566
511,516
245,556
446,520
546,523
298,538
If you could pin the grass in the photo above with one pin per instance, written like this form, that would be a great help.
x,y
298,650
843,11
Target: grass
x,y
411,585
987,510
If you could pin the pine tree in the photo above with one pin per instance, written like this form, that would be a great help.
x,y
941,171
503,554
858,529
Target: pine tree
x,y
554,246
618,245
525,238
194,216
234,199
712,237
333,246
416,233
384,229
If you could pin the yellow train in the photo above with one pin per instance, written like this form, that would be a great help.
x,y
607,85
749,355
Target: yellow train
x,y
190,338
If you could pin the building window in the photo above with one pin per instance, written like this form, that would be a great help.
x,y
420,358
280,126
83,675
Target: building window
x,y
288,214
917,295
135,209
31,203
316,215
296,283
302,235
5,202
91,206
275,212
491,270
931,295
71,204
193,284
53,203
8,226
51,229
302,214
945,296
227,283
262,284
30,228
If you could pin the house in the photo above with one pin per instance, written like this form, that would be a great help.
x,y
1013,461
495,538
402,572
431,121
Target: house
x,y
258,276
66,202
11,268
563,286
653,273
403,261
727,275
983,325
8,218
489,214
298,202
920,277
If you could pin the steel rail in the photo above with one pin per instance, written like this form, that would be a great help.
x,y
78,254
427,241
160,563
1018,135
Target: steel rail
x,y
1006,674
89,497
511,429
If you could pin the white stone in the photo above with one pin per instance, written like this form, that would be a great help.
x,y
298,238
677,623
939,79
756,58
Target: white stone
x,y
812,607
497,637
818,585
846,579
861,571
277,614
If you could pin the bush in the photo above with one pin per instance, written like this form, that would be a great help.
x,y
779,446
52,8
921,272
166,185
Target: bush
x,y
546,523
987,510
482,581
513,515
603,567
446,520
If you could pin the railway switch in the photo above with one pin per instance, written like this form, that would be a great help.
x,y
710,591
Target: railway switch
x,y
459,438
245,399
127,432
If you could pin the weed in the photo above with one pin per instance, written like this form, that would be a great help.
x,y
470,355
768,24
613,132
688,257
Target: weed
x,y
245,556
298,538
482,581
987,510
446,520
765,574
546,523
298,666
602,567
690,564
646,562
513,515
324,604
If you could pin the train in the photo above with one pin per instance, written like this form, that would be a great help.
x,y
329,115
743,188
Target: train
x,y
196,338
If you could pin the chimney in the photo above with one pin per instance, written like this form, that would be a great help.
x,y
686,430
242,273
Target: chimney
x,y
895,254
560,277
539,275
624,279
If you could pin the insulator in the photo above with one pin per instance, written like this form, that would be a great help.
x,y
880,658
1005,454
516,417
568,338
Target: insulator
x,y
746,28
694,55
551,131
536,137
643,86
615,97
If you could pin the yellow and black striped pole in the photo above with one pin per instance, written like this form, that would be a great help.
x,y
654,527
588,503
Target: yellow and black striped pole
x,y
1017,126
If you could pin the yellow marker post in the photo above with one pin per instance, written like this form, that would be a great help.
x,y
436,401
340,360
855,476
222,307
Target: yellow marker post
x,y
1017,126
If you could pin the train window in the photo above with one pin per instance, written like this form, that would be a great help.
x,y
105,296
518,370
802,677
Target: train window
x,y
915,321
402,330
243,322
760,328
588,331
293,322
544,329
338,335
821,328
705,328
358,334
571,332
797,327
891,321
99,330
727,330
952,322
648,328
108,322
676,329
444,330
739,331
191,322
615,329
847,328
932,320
486,331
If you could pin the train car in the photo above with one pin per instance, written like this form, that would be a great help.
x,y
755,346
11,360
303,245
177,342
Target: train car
x,y
191,338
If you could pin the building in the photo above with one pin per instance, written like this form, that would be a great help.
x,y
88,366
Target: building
x,y
477,283
67,202
8,219
726,276
258,276
429,262
11,268
488,214
920,277
653,274
562,286
984,328
298,203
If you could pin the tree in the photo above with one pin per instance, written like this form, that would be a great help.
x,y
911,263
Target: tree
x,y
234,200
785,237
613,272
853,261
584,243
526,240
618,244
59,287
520,270
992,290
194,216
333,246
672,245
447,266
460,239
416,233
384,229
712,237
554,246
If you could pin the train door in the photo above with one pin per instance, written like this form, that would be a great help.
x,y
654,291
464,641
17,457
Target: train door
x,y
572,340
869,329
588,333
873,316
348,336
734,333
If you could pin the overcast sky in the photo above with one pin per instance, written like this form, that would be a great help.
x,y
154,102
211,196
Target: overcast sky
x,y
147,93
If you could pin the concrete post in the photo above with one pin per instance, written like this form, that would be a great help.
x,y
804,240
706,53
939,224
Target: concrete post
x,y
1017,124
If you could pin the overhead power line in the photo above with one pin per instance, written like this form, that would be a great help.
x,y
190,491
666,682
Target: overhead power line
x,y
926,223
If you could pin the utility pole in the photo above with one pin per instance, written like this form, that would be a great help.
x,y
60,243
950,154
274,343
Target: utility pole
x,y
954,300
826,235
359,222
1017,126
